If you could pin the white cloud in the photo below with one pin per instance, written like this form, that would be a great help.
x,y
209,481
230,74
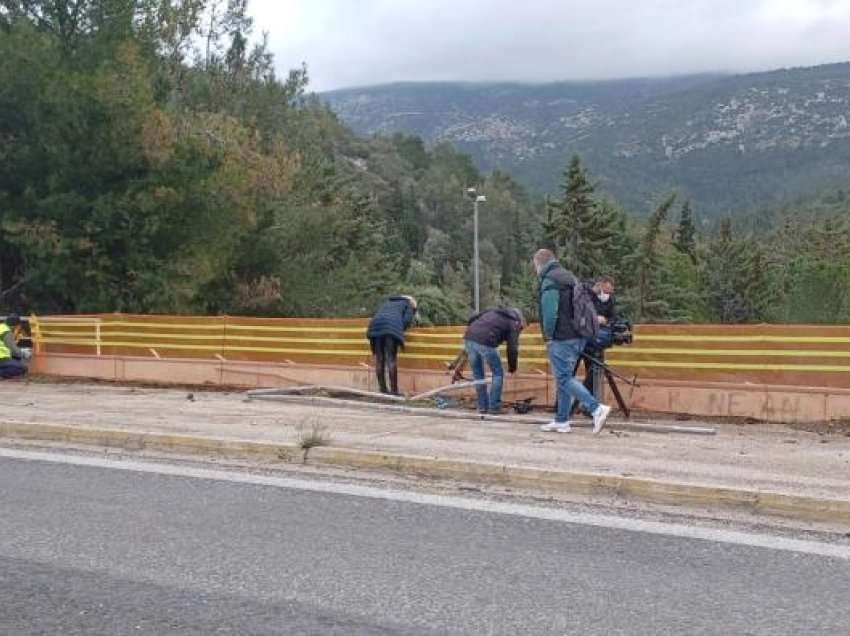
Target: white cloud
x,y
355,42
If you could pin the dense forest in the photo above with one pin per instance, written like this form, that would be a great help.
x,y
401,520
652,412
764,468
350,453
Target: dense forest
x,y
151,160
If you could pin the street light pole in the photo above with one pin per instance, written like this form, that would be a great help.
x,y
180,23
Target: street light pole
x,y
475,255
476,199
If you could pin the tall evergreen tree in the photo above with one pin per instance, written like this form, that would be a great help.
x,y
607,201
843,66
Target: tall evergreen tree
x,y
583,229
724,272
685,238
549,226
651,304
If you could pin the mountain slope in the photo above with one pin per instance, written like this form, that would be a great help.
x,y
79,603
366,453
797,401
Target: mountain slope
x,y
730,142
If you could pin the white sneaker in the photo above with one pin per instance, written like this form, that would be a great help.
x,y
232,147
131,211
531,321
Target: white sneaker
x,y
600,415
556,427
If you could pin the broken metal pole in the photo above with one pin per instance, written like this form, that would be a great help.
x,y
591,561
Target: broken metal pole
x,y
465,415
448,387
256,393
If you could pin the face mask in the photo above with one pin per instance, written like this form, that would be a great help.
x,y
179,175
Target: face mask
x,y
603,297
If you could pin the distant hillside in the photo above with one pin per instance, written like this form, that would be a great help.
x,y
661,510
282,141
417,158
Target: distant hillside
x,y
730,142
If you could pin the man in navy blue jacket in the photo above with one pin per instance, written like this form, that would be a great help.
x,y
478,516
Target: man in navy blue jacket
x,y
386,336
484,333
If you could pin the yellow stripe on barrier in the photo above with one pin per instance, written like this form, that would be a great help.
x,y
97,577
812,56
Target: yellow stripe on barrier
x,y
72,325
638,338
731,366
69,341
156,325
615,354
199,347
321,328
698,338
230,327
50,333
105,339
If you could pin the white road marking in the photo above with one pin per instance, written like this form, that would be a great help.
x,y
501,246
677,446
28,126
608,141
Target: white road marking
x,y
448,501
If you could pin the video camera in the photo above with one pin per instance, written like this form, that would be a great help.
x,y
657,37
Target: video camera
x,y
621,332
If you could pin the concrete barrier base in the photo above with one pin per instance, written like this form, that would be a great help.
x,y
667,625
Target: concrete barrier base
x,y
770,403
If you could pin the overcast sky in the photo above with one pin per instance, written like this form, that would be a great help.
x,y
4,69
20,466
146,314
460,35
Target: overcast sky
x,y
359,42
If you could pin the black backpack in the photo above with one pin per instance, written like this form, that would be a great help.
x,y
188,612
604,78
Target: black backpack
x,y
579,297
585,319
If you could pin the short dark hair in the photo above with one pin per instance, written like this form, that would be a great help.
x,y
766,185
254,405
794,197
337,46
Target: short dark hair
x,y
605,279
13,320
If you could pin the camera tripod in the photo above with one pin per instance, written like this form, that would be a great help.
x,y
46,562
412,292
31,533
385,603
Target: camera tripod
x,y
609,374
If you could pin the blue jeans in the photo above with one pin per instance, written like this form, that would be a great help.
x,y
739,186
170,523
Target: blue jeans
x,y
563,355
11,368
478,355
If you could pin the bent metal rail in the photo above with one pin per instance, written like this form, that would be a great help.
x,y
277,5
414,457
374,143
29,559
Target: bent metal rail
x,y
795,355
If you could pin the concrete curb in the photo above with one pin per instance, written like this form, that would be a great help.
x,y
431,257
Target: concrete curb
x,y
801,507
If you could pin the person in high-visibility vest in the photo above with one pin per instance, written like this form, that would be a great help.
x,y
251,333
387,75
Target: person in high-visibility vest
x,y
11,356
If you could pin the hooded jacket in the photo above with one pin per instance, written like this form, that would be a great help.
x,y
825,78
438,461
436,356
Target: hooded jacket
x,y
393,318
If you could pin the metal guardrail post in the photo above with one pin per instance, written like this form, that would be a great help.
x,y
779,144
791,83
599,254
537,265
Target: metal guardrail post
x,y
35,330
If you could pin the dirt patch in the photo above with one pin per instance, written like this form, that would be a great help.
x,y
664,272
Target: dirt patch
x,y
835,427
196,388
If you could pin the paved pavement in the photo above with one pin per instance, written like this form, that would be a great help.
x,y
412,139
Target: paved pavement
x,y
762,457
92,549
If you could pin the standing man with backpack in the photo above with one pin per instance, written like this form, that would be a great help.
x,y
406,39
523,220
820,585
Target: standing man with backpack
x,y
568,319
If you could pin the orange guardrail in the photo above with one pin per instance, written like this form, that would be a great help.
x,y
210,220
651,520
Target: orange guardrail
x,y
801,355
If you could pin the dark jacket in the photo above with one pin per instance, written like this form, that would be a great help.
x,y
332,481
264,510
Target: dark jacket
x,y
607,309
393,318
492,327
556,302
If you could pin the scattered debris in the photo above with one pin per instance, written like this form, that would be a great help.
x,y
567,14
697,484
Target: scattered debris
x,y
308,395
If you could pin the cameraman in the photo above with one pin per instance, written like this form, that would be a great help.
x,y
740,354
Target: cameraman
x,y
603,299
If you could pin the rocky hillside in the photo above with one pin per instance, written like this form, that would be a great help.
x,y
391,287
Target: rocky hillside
x,y
730,142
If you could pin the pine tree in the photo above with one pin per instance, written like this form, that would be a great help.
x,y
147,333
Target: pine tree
x,y
621,262
583,229
724,276
685,238
651,304
758,283
549,226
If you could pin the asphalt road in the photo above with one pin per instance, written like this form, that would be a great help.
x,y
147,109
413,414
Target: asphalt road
x,y
87,549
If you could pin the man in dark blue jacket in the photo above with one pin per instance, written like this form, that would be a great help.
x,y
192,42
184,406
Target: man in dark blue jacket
x,y
564,344
484,333
386,335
